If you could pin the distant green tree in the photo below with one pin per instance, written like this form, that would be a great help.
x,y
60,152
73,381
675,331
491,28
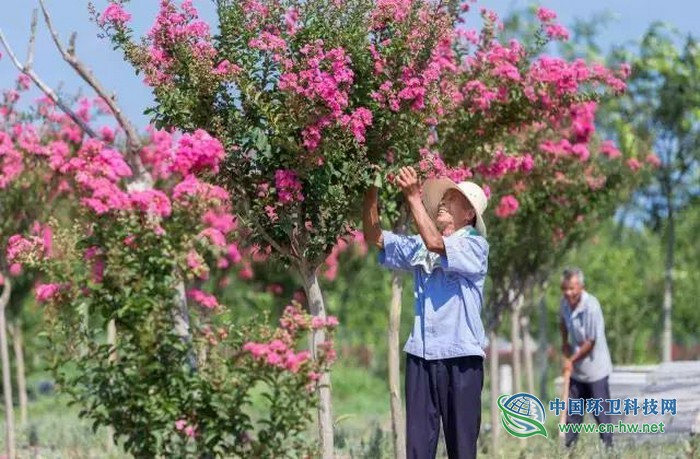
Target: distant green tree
x,y
661,113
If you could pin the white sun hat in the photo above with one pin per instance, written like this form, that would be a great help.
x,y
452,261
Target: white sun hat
x,y
434,189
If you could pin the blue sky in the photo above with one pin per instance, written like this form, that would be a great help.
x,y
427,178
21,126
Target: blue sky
x,y
631,20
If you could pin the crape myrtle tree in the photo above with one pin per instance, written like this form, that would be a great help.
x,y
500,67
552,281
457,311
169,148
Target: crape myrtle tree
x,y
178,377
26,185
305,97
311,98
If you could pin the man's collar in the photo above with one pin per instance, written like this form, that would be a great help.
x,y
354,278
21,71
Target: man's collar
x,y
581,304
470,230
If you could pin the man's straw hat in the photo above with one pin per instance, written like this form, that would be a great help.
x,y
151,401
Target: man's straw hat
x,y
434,189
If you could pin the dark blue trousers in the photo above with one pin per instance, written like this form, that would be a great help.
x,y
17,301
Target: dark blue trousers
x,y
447,389
595,389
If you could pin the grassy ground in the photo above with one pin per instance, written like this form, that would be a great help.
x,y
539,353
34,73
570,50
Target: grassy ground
x,y
361,409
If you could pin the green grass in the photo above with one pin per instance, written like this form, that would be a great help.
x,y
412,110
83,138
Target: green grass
x,y
362,430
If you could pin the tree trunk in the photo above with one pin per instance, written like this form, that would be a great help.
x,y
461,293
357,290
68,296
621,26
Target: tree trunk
x,y
543,346
20,372
667,335
112,341
527,354
325,415
515,342
6,383
398,424
495,412
181,317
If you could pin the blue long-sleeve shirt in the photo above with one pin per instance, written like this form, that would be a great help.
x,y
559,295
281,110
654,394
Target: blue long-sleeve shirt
x,y
448,300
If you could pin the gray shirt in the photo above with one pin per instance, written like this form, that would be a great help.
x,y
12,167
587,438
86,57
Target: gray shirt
x,y
586,323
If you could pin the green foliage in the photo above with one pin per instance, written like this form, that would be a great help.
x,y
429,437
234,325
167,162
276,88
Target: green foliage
x,y
157,382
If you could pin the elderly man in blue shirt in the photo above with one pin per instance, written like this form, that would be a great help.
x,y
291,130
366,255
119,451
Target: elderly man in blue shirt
x,y
449,260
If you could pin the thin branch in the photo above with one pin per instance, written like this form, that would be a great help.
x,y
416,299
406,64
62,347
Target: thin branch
x,y
86,74
32,40
46,89
69,55
261,230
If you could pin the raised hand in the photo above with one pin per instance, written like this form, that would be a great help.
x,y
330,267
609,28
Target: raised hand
x,y
408,182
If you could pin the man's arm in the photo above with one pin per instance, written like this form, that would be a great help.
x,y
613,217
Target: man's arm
x,y
408,181
370,219
565,349
583,351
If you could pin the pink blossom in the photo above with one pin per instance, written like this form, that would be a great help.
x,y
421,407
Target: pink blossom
x,y
358,122
152,202
114,14
46,292
18,246
191,188
557,32
196,264
545,15
581,151
288,186
246,273
291,20
233,253
197,152
507,206
225,68
190,431
267,41
271,213
607,148
317,322
527,163
204,299
180,424
23,82
653,160
634,164
294,361
215,237
223,222
257,350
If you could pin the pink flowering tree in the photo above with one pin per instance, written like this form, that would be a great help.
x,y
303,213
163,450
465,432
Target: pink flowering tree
x,y
147,235
123,259
26,184
311,98
305,97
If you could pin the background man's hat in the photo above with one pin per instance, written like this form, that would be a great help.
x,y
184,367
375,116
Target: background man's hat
x,y
434,189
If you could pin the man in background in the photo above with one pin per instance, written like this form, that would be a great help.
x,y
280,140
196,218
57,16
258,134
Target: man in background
x,y
585,349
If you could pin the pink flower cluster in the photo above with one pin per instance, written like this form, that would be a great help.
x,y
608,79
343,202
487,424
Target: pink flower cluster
x,y
11,164
390,12
553,30
47,292
278,354
187,429
188,154
503,164
115,15
205,300
357,241
175,29
323,77
288,186
19,247
507,206
608,148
